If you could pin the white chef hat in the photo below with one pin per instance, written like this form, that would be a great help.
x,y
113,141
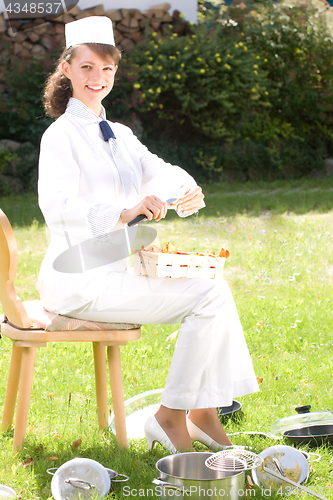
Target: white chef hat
x,y
94,29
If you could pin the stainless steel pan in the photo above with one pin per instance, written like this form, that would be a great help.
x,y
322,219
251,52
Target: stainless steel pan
x,y
187,473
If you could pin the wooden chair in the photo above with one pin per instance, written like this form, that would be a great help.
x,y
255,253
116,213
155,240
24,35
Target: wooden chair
x,y
21,328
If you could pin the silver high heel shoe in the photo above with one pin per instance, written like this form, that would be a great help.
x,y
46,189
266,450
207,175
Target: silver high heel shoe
x,y
155,434
197,434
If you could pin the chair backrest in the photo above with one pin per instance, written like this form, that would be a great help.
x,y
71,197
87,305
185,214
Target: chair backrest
x,y
12,306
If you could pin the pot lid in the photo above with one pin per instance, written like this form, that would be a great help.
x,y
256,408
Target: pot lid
x,y
80,478
6,492
304,418
291,462
137,410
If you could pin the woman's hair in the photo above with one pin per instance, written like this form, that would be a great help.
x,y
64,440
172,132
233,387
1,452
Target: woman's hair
x,y
58,89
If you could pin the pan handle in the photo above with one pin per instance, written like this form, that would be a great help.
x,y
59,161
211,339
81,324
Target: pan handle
x,y
159,482
120,480
50,471
255,433
80,483
297,485
317,459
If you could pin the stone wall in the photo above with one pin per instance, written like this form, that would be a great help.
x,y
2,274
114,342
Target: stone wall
x,y
35,37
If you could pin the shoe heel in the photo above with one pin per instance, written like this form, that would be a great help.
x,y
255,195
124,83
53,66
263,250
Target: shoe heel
x,y
150,441
155,434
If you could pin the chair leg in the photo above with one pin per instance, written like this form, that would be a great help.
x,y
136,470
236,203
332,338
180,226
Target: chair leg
x,y
23,400
101,384
117,390
12,387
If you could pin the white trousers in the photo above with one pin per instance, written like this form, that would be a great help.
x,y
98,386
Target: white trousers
x,y
211,364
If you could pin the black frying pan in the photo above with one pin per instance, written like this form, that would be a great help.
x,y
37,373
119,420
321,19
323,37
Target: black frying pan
x,y
225,412
313,435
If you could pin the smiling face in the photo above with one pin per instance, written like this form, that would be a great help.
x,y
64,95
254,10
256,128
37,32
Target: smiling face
x,y
92,77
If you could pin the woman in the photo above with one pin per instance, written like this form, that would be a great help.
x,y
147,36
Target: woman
x,y
93,180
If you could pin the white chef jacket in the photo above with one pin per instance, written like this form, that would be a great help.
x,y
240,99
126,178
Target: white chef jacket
x,y
81,196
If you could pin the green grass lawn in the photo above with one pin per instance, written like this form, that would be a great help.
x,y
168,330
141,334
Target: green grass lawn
x,y
281,273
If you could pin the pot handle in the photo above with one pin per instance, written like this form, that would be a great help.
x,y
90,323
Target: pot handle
x,y
160,482
120,480
80,483
317,459
50,471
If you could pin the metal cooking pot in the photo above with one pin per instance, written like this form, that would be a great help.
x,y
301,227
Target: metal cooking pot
x,y
6,492
187,473
82,478
292,462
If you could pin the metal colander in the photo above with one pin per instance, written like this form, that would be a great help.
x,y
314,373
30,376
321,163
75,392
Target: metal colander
x,y
233,460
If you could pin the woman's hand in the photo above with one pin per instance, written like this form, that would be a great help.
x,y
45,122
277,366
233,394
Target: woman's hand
x,y
151,206
191,201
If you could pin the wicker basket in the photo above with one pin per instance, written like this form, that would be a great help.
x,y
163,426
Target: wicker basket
x,y
184,265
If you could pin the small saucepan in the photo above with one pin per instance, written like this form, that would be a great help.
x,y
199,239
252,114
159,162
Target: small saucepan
x,y
6,492
290,460
82,478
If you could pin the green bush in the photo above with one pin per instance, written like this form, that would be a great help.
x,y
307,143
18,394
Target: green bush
x,y
249,91
243,160
6,156
294,39
22,118
18,171
21,113
215,86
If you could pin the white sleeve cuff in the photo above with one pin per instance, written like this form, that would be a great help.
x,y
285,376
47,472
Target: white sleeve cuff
x,y
102,218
